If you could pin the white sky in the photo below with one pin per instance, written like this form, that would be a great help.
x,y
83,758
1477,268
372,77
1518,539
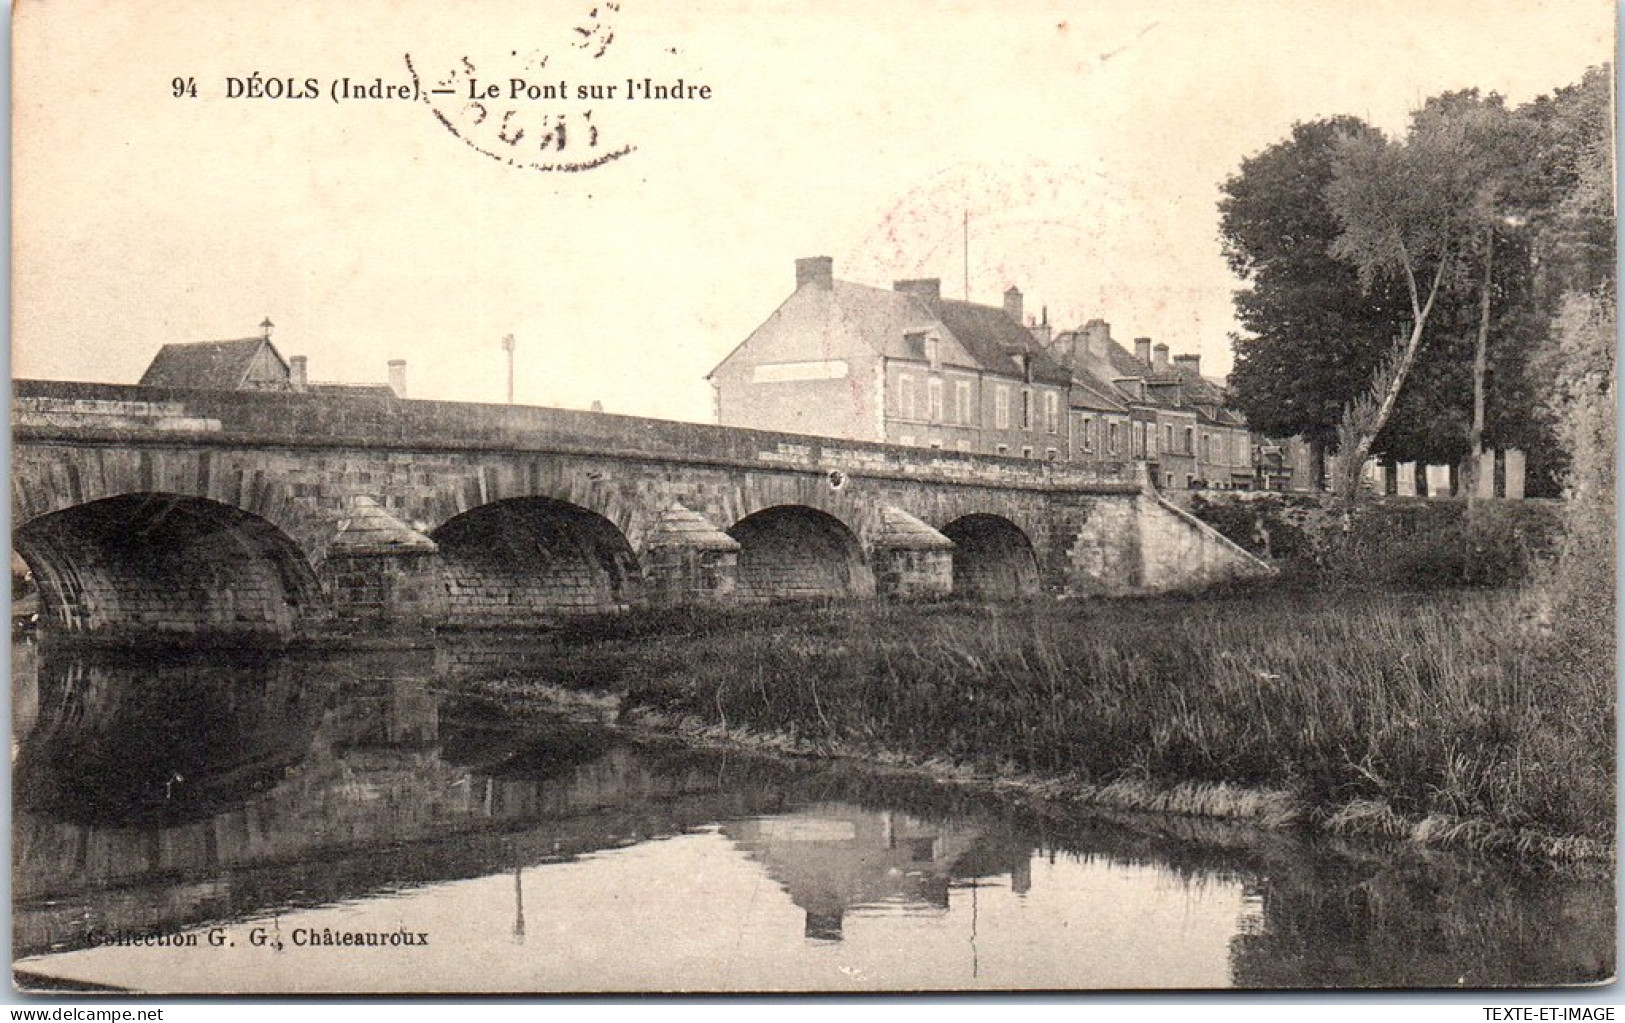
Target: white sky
x,y
1086,139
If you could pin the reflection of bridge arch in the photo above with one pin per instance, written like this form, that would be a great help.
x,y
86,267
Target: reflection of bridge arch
x,y
793,552
993,558
167,563
525,560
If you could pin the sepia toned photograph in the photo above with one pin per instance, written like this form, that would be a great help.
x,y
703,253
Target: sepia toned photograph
x,y
596,496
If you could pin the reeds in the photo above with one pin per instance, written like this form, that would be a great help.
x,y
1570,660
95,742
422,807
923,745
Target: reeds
x,y
1375,712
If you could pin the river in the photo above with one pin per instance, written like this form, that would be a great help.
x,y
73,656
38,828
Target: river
x,y
229,822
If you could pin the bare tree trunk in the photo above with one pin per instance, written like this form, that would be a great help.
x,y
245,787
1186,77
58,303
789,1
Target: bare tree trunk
x,y
1481,361
1350,477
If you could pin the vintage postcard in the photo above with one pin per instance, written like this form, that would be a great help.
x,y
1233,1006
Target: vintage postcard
x,y
610,496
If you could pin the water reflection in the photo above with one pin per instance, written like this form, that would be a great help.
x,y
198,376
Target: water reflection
x,y
375,792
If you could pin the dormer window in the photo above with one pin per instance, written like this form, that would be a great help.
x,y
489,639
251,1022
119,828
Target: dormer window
x,y
933,350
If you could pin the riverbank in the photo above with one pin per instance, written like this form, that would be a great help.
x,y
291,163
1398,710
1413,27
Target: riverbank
x,y
1448,718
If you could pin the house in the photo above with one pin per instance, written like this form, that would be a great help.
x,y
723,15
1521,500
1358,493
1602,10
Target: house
x,y
1172,418
245,364
908,366
901,366
252,364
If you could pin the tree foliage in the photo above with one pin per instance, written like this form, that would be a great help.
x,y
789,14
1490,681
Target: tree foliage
x,y
1313,332
1481,217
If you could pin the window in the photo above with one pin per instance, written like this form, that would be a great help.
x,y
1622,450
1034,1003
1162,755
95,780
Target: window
x,y
1051,454
1207,447
1026,452
1088,433
1168,444
1139,440
905,397
962,402
933,399
1190,440
1052,412
1111,439
1026,408
1001,408
1004,449
933,350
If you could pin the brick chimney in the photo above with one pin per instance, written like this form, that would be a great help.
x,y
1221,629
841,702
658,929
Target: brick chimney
x,y
928,288
397,377
1041,330
818,271
1142,350
1190,362
1012,303
1160,361
298,375
1098,335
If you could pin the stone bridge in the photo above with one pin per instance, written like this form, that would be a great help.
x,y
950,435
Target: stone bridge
x,y
142,511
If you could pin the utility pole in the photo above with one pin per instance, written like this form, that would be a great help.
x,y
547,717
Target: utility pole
x,y
507,346
966,247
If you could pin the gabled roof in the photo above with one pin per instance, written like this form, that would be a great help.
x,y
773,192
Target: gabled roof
x,y
206,365
997,341
894,322
1123,362
1199,389
1091,392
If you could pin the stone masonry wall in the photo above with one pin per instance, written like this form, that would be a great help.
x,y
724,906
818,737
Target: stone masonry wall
x,y
295,466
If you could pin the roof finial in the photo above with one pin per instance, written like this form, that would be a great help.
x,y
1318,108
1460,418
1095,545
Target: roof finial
x,y
265,328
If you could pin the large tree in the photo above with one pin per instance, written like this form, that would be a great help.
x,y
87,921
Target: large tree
x,y
1313,333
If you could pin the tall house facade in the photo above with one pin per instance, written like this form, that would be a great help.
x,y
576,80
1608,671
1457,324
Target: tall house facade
x,y
1167,415
907,366
900,366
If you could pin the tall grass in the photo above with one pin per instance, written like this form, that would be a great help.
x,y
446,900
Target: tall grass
x,y
1443,705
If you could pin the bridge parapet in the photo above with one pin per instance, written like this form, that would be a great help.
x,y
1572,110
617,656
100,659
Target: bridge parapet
x,y
66,410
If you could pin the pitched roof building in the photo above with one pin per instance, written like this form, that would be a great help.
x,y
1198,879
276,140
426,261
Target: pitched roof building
x,y
904,366
252,364
245,364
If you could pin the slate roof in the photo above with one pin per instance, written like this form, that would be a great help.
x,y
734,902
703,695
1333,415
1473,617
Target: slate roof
x,y
894,324
205,365
1090,392
997,341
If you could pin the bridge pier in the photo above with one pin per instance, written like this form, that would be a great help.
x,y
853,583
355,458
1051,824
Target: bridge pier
x,y
911,561
381,573
688,560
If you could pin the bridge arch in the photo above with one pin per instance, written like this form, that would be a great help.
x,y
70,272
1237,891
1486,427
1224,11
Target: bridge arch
x,y
993,558
144,564
525,561
795,552
54,478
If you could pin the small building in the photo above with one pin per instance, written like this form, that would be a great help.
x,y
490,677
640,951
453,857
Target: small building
x,y
252,364
245,364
